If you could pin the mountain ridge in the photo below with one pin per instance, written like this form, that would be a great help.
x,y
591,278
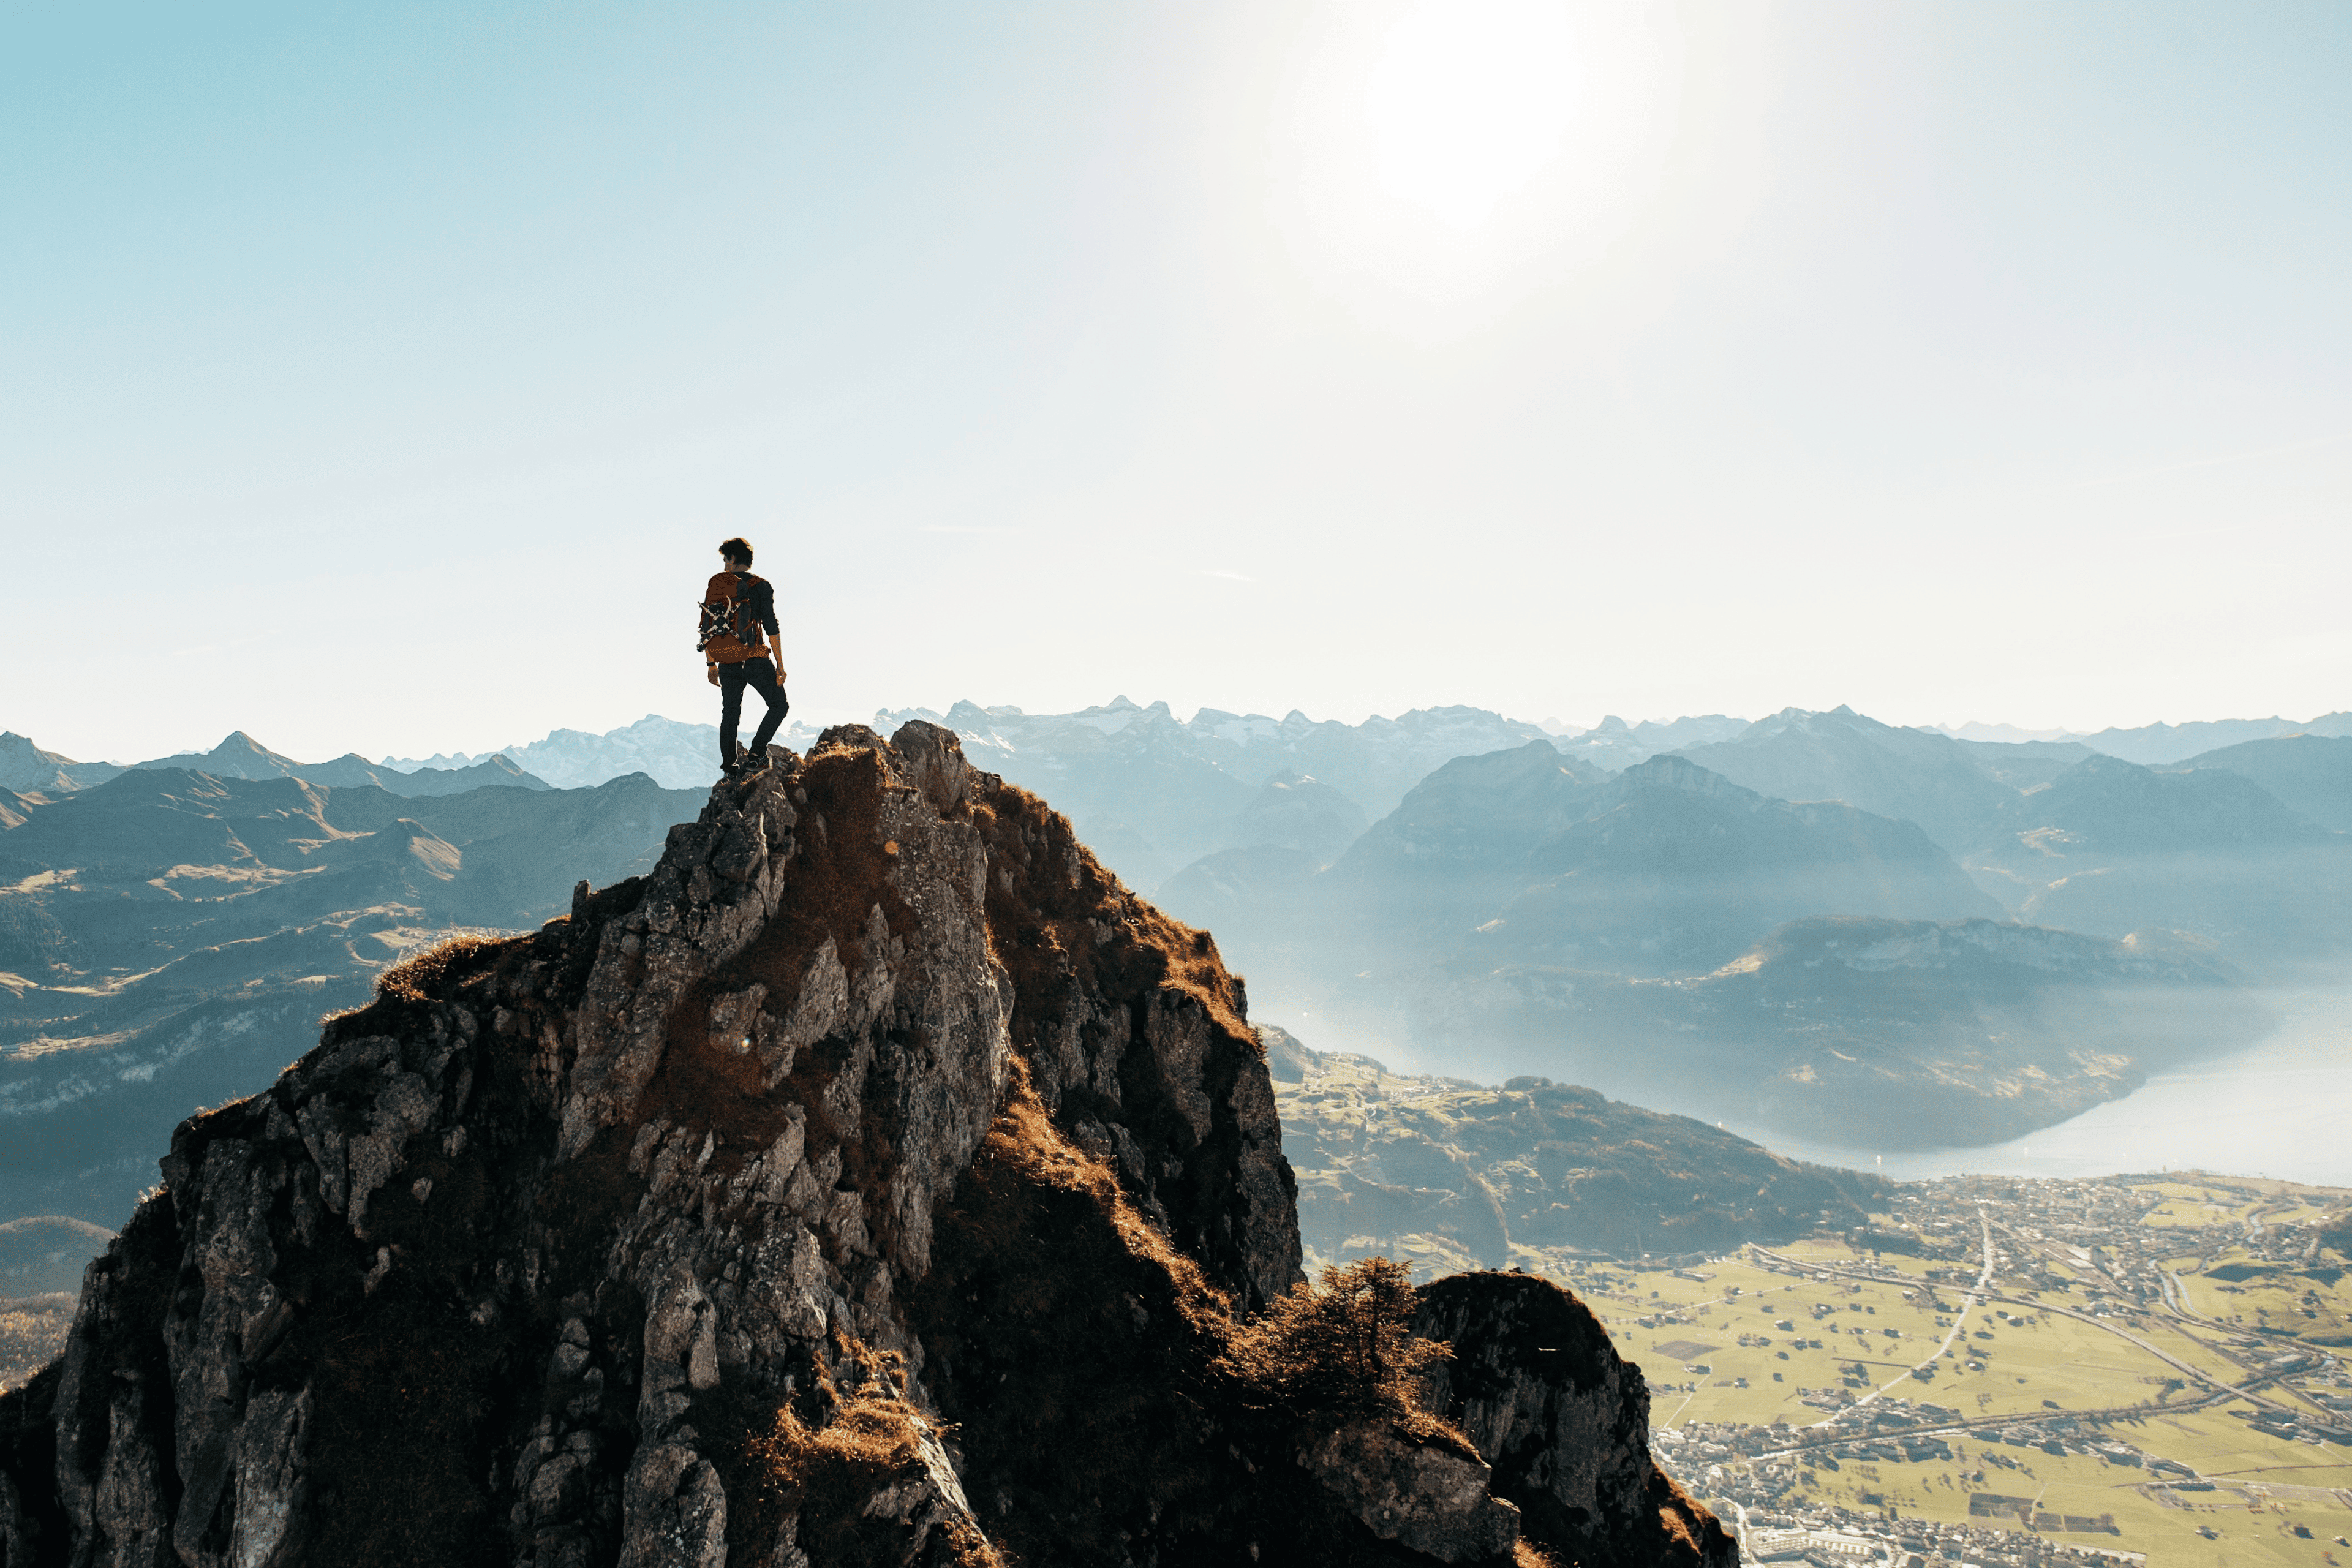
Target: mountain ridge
x,y
1913,776
240,756
716,1221
1529,1172
2308,773
26,768
169,939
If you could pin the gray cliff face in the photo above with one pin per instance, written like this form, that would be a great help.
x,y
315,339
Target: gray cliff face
x,y
1565,1422
1422,1495
793,1204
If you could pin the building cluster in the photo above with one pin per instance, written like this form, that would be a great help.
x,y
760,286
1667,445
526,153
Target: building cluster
x,y
2091,1239
2084,1248
1844,1538
1760,1467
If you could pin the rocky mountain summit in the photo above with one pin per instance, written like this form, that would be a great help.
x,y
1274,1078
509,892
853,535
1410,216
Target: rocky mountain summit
x,y
26,767
876,1181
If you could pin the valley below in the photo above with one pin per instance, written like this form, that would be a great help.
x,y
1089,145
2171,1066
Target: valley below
x,y
2136,1368
1701,1053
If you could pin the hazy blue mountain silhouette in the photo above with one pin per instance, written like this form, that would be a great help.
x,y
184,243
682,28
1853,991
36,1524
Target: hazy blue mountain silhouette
x,y
2111,847
2156,745
26,768
1915,775
2066,835
1293,811
1613,744
1458,847
1664,933
1665,867
169,939
1152,794
2026,765
673,753
2308,773
240,756
2111,806
1675,869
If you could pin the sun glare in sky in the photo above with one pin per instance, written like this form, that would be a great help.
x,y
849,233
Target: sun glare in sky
x,y
1952,358
1442,157
1471,98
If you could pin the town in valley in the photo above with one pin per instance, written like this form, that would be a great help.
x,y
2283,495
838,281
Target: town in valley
x,y
2143,1368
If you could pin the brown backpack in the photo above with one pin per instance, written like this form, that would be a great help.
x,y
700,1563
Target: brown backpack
x,y
731,630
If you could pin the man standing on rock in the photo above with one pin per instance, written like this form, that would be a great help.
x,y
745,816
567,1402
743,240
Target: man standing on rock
x,y
739,617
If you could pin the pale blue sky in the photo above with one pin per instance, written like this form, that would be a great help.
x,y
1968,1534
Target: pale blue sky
x,y
380,378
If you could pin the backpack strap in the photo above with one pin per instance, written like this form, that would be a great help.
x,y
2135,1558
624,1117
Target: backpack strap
x,y
745,615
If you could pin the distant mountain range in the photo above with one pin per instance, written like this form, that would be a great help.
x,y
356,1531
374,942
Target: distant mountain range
x,y
169,938
674,754
1150,792
27,769
2204,850
1613,744
1662,868
1641,906
2309,773
681,756
1915,775
1679,940
240,756
2157,745
1155,796
1525,855
2242,849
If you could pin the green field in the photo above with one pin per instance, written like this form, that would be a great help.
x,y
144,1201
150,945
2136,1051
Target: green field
x,y
2015,1358
2246,1531
2317,1309
1999,1365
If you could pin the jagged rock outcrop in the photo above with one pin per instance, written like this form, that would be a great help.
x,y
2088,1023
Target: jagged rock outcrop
x,y
877,1182
1563,1420
1426,1495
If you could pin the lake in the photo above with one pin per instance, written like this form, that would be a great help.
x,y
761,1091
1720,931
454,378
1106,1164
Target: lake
x,y
2281,1108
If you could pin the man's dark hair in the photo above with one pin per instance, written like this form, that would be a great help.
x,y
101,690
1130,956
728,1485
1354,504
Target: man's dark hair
x,y
737,550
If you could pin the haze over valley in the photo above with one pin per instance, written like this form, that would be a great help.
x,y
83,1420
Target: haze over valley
x,y
1860,939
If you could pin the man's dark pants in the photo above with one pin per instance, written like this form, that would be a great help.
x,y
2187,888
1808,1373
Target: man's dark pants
x,y
761,675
